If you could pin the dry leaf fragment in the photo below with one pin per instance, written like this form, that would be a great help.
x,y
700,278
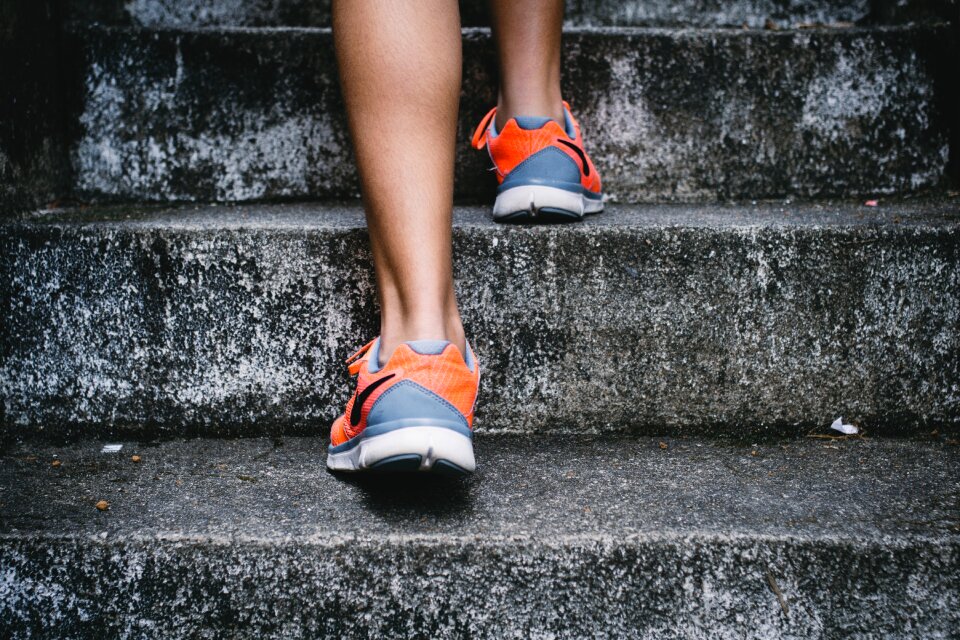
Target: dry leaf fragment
x,y
55,464
135,458
664,445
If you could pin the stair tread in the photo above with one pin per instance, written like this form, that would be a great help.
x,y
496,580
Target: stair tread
x,y
937,212
860,491
484,32
217,320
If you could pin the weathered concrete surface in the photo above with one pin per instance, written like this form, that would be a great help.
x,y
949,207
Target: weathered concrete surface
x,y
566,538
681,115
706,13
33,151
220,320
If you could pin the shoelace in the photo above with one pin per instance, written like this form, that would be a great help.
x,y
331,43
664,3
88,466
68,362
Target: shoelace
x,y
355,361
479,140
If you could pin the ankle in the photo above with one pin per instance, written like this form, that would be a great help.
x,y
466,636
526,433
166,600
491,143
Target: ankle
x,y
543,106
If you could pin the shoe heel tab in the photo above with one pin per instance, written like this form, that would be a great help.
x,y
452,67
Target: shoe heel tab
x,y
438,347
428,347
532,123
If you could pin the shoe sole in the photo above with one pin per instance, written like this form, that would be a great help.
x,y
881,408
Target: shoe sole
x,y
412,449
538,203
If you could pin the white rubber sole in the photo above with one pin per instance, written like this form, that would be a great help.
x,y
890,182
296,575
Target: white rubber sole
x,y
414,448
533,201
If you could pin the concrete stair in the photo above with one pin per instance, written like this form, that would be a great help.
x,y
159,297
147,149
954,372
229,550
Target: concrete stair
x,y
237,114
706,319
553,538
658,381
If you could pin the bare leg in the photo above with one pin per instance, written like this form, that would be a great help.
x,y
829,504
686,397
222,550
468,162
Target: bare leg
x,y
400,71
528,44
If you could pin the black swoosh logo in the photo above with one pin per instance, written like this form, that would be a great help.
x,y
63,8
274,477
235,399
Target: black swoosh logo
x,y
583,156
362,397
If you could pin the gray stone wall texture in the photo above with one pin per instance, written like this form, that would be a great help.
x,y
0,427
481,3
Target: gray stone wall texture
x,y
766,319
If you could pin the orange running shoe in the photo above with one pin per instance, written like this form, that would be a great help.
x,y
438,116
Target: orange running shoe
x,y
543,171
414,413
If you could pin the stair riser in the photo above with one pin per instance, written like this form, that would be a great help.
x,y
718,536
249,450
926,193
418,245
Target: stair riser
x,y
683,588
668,116
147,330
254,13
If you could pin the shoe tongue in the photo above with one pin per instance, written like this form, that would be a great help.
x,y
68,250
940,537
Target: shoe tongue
x,y
531,123
428,347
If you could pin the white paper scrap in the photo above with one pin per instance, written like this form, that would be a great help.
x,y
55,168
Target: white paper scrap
x,y
838,425
111,448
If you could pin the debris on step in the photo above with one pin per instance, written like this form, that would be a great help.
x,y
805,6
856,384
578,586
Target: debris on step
x,y
776,591
111,448
826,25
846,429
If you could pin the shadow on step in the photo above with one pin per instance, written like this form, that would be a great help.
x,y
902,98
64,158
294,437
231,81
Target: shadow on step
x,y
421,495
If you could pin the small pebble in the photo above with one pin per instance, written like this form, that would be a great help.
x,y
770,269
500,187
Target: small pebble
x,y
135,458
55,464
103,505
754,453
664,445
